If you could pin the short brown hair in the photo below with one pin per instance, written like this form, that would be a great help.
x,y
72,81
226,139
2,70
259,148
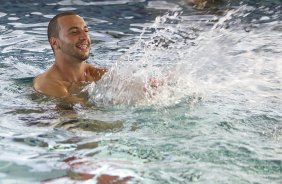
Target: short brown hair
x,y
53,27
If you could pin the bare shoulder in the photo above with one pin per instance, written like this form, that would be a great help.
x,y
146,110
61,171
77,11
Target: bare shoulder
x,y
88,66
49,86
94,72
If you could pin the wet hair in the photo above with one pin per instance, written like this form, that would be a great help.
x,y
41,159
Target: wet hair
x,y
53,27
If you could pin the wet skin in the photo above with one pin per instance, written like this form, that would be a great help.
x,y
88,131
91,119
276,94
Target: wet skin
x,y
69,74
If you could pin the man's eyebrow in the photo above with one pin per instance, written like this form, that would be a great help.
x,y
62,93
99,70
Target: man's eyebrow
x,y
71,28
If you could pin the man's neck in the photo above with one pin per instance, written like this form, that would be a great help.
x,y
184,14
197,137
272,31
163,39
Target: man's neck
x,y
70,71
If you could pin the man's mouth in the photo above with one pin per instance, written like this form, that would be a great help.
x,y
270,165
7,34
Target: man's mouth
x,y
83,47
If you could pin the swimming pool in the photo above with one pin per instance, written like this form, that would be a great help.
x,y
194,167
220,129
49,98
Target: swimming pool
x,y
216,118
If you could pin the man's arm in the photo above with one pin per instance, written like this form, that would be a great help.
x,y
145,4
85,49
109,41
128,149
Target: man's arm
x,y
93,73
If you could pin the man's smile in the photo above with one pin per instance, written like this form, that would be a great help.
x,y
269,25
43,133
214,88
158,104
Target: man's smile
x,y
83,46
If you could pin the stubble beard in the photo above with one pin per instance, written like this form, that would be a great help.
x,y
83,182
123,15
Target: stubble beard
x,y
73,51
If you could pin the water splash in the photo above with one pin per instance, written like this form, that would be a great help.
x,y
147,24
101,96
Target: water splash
x,y
146,73
230,59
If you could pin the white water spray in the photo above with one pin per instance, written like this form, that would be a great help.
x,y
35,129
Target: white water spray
x,y
186,61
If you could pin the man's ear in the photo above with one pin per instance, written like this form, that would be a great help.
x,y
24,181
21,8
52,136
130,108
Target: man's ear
x,y
54,43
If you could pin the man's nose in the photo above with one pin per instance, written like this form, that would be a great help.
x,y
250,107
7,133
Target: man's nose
x,y
83,35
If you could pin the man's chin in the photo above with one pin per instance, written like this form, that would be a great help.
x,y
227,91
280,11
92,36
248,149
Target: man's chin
x,y
83,57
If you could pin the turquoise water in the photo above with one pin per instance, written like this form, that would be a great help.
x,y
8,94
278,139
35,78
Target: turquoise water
x,y
216,118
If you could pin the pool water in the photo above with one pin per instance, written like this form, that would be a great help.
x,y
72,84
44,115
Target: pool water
x,y
215,117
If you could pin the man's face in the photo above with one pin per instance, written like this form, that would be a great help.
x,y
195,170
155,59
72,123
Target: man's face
x,y
74,40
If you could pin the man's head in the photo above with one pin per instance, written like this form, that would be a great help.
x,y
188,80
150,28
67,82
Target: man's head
x,y
53,27
68,35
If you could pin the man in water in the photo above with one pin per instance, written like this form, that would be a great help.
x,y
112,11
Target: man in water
x,y
70,42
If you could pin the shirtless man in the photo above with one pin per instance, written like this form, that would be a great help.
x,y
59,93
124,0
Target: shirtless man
x,y
70,42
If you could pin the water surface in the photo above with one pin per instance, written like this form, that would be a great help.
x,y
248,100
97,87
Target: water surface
x,y
215,118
